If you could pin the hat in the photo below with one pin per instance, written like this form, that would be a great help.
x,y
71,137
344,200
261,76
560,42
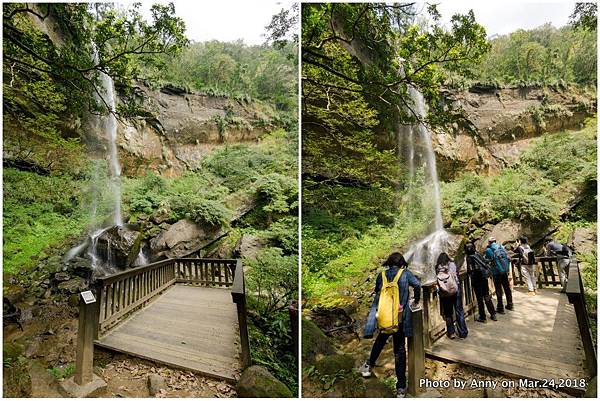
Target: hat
x,y
491,239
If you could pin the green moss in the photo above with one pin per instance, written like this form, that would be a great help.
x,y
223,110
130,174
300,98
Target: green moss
x,y
314,342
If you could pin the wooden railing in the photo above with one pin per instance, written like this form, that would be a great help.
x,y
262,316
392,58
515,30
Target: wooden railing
x,y
120,294
576,295
548,273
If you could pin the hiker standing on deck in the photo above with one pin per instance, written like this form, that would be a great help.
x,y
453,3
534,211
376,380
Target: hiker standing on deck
x,y
448,288
528,265
479,270
497,256
391,314
555,248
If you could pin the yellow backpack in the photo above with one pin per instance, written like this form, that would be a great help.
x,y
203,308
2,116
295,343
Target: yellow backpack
x,y
389,310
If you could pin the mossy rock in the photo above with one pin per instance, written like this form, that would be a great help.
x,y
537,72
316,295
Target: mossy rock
x,y
314,342
258,382
352,386
12,350
377,389
333,364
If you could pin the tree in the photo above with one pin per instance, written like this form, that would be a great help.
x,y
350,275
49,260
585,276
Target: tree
x,y
358,61
52,60
585,16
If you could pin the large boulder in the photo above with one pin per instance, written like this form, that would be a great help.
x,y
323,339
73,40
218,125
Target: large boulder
x,y
583,240
182,239
314,342
248,246
258,382
333,364
119,245
507,232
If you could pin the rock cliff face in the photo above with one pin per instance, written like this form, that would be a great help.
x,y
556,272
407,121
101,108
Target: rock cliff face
x,y
500,123
180,128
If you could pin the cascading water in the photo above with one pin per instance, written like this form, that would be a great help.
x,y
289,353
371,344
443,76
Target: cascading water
x,y
104,126
422,255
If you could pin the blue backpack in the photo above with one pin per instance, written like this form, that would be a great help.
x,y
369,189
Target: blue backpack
x,y
501,259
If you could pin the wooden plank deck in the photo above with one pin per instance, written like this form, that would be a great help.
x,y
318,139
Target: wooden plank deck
x,y
538,340
187,327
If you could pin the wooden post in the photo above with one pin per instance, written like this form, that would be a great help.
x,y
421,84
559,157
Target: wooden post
x,y
85,338
575,294
416,353
244,342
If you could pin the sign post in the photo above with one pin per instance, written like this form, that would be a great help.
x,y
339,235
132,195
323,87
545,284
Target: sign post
x,y
85,338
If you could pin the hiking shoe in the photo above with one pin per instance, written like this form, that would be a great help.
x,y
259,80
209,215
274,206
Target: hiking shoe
x,y
500,311
451,336
480,320
510,307
494,318
531,293
401,392
365,370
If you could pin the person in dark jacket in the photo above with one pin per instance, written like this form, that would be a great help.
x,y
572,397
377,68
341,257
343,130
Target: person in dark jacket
x,y
393,263
479,271
453,304
501,283
562,252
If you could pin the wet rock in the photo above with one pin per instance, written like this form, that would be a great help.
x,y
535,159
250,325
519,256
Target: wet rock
x,y
120,244
156,383
61,276
334,364
73,285
314,342
161,216
81,267
248,246
258,382
183,238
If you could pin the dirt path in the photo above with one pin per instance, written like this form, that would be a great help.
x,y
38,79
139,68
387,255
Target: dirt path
x,y
47,344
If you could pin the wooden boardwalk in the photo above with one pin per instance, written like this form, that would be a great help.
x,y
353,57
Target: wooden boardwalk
x,y
540,339
189,327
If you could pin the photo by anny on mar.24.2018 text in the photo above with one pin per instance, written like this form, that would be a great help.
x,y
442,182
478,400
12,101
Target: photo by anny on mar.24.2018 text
x,y
150,189
449,199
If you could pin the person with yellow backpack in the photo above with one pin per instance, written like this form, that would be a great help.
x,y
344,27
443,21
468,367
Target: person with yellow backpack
x,y
390,313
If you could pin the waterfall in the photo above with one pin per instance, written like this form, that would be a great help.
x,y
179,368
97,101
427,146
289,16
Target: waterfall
x,y
423,254
108,126
105,126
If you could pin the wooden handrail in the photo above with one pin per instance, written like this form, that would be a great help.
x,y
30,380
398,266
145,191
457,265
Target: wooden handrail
x,y
576,295
548,274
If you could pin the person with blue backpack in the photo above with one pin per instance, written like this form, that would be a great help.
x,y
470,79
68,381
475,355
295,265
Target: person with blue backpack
x,y
497,256
479,270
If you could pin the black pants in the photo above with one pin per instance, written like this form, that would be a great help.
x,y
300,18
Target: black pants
x,y
482,293
502,285
399,354
452,306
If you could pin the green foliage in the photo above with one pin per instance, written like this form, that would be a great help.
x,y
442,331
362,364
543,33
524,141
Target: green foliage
x,y
565,156
53,77
516,194
60,372
271,347
272,278
541,56
232,69
40,212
